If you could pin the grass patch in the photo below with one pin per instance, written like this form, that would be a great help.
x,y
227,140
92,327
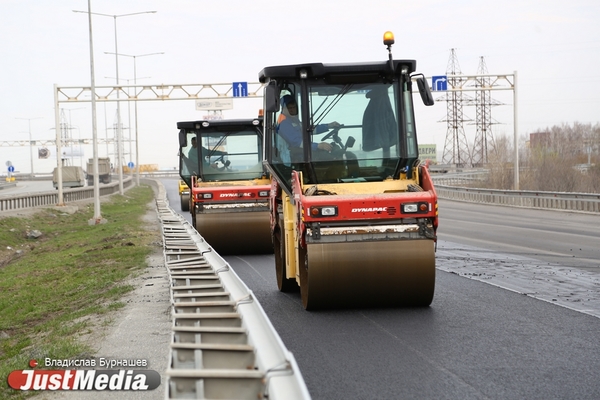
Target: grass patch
x,y
52,286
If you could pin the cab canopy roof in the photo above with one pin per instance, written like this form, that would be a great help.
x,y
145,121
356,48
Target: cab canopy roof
x,y
359,72
221,124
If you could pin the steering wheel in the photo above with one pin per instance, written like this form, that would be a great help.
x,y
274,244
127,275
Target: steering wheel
x,y
226,163
333,132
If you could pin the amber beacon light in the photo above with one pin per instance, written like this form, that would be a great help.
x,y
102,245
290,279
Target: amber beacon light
x,y
388,38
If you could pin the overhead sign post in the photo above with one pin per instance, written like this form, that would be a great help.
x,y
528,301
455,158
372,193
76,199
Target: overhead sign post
x,y
473,83
220,93
240,89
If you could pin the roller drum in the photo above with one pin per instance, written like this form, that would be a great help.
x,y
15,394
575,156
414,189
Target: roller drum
x,y
236,232
378,273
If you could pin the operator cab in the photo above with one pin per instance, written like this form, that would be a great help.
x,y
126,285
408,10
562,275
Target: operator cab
x,y
221,150
364,112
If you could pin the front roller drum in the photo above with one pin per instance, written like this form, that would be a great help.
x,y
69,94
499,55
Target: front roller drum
x,y
236,232
364,274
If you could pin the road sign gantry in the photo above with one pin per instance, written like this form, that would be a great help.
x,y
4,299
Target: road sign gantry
x,y
70,94
135,93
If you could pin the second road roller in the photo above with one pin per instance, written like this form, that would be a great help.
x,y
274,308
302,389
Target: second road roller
x,y
221,163
353,210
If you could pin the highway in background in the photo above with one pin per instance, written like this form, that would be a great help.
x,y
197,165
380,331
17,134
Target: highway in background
x,y
540,339
558,238
25,186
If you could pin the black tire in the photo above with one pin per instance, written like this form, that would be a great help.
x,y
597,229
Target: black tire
x,y
283,283
185,202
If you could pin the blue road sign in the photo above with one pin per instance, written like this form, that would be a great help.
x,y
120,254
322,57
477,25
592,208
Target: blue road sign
x,y
11,168
130,164
240,89
439,83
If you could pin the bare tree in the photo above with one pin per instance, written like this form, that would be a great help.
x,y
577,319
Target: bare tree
x,y
500,164
560,159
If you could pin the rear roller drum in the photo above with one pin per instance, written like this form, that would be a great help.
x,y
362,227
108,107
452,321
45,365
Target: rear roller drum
x,y
236,232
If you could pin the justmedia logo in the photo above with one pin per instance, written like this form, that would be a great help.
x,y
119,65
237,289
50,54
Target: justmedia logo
x,y
113,380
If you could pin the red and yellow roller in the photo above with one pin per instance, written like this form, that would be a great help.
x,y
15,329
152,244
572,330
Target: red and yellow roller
x,y
221,162
353,210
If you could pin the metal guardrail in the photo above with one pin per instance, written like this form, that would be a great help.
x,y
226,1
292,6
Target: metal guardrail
x,y
223,345
459,178
10,202
48,177
50,198
453,186
581,202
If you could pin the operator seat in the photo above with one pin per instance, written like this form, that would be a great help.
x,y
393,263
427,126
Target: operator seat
x,y
379,127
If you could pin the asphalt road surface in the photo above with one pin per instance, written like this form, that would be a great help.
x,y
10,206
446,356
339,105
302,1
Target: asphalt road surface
x,y
540,339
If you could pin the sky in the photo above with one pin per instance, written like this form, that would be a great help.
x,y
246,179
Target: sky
x,y
554,46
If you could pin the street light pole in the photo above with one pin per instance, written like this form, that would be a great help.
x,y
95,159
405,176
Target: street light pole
x,y
30,143
119,145
97,219
128,111
516,183
137,152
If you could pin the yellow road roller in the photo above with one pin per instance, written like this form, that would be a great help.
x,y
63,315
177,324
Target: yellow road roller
x,y
221,163
353,210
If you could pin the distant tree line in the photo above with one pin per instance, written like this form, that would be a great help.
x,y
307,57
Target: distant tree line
x,y
558,159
